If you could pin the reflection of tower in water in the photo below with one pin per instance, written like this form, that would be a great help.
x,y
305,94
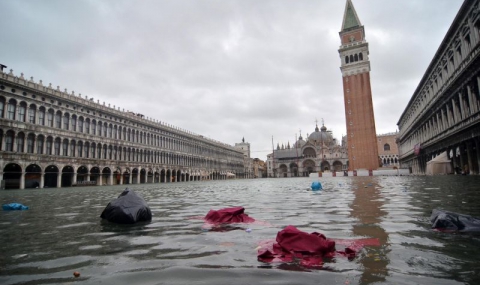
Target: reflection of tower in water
x,y
367,210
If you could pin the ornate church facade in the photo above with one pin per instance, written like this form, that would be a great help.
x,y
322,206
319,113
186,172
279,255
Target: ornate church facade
x,y
318,153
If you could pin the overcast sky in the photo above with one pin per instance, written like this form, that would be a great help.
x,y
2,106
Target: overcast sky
x,y
225,69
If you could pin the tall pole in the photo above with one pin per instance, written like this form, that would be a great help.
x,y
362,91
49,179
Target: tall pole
x,y
273,158
296,150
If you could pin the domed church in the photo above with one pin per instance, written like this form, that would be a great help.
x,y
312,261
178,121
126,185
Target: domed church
x,y
319,152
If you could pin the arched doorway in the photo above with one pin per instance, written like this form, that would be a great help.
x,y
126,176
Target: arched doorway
x,y
95,175
178,176
309,167
82,173
33,176
325,166
135,177
168,176
67,176
51,176
162,176
283,170
143,176
337,165
294,169
105,176
117,177
150,176
12,173
156,178
126,177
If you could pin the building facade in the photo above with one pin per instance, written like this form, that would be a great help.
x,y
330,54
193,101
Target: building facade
x,y
355,67
50,138
443,114
388,150
320,152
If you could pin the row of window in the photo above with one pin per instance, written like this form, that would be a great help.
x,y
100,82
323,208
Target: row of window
x,y
353,57
65,121
50,146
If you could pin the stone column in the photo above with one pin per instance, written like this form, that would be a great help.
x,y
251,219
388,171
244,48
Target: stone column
x,y
59,179
74,180
42,180
110,178
22,180
462,162
469,156
477,150
121,178
87,177
130,178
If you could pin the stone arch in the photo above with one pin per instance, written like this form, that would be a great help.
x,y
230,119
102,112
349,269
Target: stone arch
x,y
117,176
163,174
324,166
283,170
95,175
337,166
33,176
150,176
106,171
168,176
309,166
51,176
294,169
178,176
82,173
12,174
67,176
135,176
309,152
143,176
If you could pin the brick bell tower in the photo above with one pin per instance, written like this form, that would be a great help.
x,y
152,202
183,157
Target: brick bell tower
x,y
361,134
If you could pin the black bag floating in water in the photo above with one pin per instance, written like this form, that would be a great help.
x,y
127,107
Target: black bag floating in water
x,y
454,222
128,208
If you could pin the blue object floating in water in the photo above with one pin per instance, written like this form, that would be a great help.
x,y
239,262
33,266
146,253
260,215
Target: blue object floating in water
x,y
14,206
316,185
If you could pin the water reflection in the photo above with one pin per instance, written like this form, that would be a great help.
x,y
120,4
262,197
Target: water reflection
x,y
367,209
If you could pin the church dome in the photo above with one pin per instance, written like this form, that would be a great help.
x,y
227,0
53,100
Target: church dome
x,y
300,142
321,136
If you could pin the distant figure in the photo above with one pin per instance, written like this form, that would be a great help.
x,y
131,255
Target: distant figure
x,y
345,173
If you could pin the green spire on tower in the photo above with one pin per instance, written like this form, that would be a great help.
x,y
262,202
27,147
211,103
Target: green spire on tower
x,y
350,18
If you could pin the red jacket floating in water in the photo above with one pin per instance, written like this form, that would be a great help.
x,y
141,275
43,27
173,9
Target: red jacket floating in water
x,y
309,248
228,216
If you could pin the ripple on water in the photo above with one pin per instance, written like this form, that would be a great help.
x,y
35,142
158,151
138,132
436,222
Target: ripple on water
x,y
47,245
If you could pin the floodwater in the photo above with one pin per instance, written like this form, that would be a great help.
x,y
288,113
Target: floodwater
x,y
62,233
